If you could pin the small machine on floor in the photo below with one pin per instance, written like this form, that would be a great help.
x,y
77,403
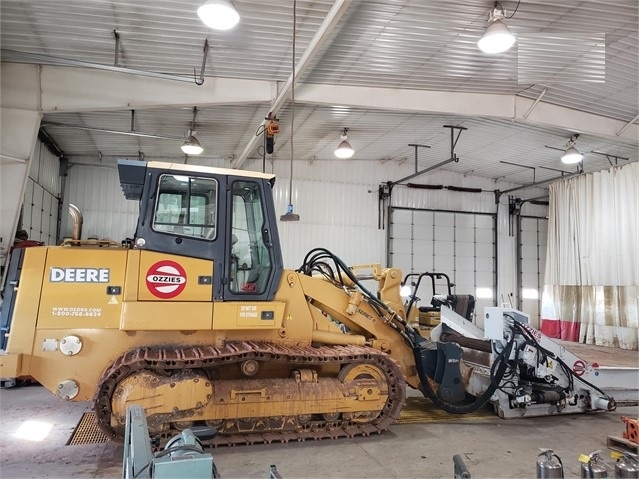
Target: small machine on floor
x,y
183,456
525,373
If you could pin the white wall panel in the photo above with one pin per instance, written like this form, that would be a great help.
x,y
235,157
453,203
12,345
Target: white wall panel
x,y
95,190
338,210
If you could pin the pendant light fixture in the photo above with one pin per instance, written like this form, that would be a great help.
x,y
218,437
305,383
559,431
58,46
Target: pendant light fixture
x,y
192,146
218,14
344,149
497,38
572,155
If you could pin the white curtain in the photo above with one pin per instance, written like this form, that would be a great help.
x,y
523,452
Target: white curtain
x,y
591,291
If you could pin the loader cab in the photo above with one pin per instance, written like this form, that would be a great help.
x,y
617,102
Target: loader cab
x,y
225,216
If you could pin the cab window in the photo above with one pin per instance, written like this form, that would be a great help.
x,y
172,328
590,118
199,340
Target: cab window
x,y
186,206
250,257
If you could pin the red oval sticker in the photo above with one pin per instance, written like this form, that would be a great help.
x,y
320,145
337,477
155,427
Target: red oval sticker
x,y
166,279
579,368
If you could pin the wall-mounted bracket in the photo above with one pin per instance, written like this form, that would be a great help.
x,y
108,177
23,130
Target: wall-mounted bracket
x,y
116,61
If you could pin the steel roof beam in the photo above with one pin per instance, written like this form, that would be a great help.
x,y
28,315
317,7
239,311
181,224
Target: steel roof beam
x,y
314,47
508,107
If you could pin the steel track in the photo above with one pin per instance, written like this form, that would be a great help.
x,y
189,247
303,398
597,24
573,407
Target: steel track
x,y
169,359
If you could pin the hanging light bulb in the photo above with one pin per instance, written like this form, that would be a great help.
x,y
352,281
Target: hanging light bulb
x,y
191,146
572,155
344,149
497,38
218,14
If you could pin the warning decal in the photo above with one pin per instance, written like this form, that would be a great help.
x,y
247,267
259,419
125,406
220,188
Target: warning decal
x,y
166,279
579,368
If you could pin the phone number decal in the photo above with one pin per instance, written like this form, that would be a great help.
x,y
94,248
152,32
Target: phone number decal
x,y
77,312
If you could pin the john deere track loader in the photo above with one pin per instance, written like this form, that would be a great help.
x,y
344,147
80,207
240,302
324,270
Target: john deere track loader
x,y
198,322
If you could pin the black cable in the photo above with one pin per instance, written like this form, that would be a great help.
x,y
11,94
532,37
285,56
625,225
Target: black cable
x,y
341,270
185,447
514,11
571,376
142,470
480,401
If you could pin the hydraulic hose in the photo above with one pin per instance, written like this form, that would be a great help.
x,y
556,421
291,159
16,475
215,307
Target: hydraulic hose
x,y
480,401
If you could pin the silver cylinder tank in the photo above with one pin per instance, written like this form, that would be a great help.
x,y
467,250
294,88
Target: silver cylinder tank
x,y
548,467
627,467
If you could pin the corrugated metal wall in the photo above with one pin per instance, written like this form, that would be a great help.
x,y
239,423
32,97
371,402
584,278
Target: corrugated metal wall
x,y
94,187
41,197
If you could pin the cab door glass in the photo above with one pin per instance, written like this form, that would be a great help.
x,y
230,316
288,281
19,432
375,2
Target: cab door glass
x,y
186,206
250,256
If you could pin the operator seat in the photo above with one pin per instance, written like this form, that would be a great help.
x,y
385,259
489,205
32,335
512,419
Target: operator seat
x,y
463,304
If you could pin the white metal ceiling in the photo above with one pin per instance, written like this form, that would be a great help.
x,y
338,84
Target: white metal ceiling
x,y
407,44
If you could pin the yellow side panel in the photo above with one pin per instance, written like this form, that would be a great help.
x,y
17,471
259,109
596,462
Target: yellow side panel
x,y
25,312
166,316
132,274
10,365
248,315
164,277
74,288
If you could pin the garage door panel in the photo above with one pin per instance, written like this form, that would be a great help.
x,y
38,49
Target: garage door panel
x,y
444,248
423,232
36,213
484,279
27,208
484,236
465,234
46,217
484,264
401,245
444,233
529,250
484,221
465,249
423,263
402,231
465,266
53,221
530,277
484,250
444,264
444,219
401,260
533,260
465,221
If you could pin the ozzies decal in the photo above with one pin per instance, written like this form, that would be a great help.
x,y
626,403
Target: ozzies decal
x,y
166,279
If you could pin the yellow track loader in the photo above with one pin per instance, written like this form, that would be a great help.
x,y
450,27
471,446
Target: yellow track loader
x,y
198,322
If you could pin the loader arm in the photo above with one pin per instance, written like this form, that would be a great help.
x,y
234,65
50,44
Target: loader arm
x,y
381,329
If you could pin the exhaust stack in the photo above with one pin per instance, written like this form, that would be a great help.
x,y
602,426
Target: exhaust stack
x,y
76,216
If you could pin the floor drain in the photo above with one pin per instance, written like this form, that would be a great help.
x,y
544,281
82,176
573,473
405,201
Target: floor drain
x,y
420,410
87,431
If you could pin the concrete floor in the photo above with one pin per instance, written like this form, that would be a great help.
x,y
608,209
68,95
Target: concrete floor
x,y
491,448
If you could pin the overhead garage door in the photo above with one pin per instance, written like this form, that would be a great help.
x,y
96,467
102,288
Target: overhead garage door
x,y
40,213
462,245
533,237
41,196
